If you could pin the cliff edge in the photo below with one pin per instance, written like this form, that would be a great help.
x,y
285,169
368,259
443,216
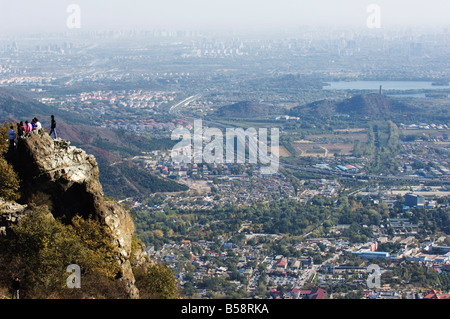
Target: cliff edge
x,y
66,179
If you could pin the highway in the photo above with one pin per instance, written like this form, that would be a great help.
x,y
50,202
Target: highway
x,y
174,109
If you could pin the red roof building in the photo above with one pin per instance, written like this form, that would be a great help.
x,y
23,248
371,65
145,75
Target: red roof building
x,y
433,294
282,263
313,294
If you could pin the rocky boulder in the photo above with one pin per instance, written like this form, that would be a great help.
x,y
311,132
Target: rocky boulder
x,y
10,213
66,179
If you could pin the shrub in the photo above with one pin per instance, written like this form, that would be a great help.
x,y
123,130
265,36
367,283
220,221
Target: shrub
x,y
42,248
156,281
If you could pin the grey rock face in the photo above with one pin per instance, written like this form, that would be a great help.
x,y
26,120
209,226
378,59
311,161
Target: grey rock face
x,y
66,178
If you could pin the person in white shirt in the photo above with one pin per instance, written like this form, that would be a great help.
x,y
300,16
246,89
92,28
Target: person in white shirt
x,y
38,124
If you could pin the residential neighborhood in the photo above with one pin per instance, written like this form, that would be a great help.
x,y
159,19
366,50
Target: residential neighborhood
x,y
248,268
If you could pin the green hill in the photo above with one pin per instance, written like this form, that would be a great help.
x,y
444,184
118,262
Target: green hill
x,y
372,106
318,108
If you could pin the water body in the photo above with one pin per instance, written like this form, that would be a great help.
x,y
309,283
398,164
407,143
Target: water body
x,y
387,85
420,95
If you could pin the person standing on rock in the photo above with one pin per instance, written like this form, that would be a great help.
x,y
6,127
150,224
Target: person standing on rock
x,y
20,129
15,288
12,137
53,127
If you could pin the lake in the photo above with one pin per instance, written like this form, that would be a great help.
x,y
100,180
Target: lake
x,y
420,95
387,85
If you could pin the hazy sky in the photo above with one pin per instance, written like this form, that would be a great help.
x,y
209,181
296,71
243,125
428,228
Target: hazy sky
x,y
37,15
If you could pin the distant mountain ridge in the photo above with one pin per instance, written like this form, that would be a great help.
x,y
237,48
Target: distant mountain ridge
x,y
362,105
18,105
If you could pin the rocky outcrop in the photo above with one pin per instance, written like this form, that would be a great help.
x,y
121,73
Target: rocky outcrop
x,y
66,179
10,213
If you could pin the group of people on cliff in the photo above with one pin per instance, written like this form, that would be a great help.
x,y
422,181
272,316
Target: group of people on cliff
x,y
27,127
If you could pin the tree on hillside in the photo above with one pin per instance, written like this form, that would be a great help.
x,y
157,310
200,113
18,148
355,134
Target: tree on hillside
x,y
156,281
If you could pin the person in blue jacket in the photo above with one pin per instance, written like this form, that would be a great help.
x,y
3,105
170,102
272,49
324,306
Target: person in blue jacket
x,y
12,137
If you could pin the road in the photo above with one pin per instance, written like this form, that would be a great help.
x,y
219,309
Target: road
x,y
174,109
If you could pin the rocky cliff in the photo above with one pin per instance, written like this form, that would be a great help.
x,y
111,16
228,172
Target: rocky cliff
x,y
10,213
66,180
